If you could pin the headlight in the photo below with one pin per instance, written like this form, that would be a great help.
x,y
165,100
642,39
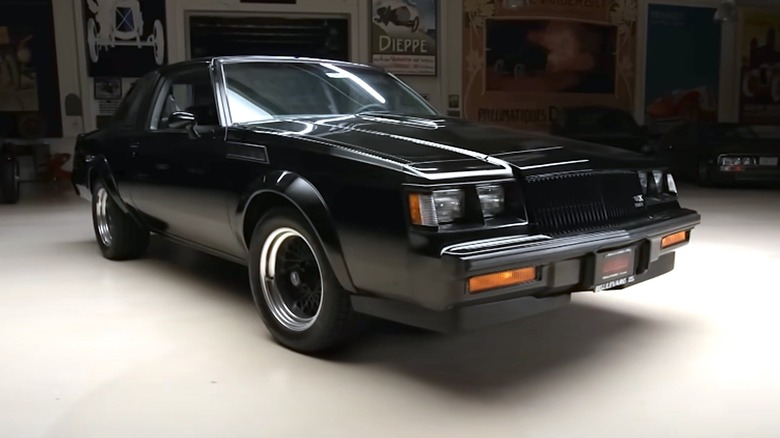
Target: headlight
x,y
436,208
643,182
657,182
658,178
492,200
670,184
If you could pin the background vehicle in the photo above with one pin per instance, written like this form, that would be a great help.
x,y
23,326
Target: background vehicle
x,y
711,153
603,125
9,175
346,194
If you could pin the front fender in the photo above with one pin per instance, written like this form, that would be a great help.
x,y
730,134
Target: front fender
x,y
301,194
99,169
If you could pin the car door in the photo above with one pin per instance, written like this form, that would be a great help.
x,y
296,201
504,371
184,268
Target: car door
x,y
179,173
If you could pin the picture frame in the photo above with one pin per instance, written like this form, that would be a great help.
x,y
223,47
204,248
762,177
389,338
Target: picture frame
x,y
108,88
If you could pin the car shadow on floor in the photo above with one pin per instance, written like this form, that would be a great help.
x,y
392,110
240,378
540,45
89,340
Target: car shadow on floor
x,y
510,357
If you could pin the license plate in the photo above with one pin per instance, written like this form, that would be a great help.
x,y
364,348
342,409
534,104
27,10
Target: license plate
x,y
767,161
615,268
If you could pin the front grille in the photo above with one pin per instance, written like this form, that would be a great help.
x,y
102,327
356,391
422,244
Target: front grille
x,y
582,201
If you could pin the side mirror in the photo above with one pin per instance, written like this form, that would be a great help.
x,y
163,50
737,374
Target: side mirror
x,y
182,120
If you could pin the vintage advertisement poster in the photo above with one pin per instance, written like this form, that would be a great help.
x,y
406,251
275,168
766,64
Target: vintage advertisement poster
x,y
683,66
18,81
403,36
124,38
759,102
526,59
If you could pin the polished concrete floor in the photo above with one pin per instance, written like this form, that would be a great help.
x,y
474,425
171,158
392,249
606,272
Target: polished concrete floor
x,y
171,346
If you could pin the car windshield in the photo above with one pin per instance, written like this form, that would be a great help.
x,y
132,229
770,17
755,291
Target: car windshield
x,y
258,91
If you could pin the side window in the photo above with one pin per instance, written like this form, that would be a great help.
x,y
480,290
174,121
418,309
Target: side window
x,y
189,90
132,108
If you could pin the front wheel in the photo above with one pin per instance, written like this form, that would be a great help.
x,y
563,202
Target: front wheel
x,y
294,288
118,234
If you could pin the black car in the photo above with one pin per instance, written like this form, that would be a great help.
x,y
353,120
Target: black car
x,y
9,175
723,153
603,125
346,195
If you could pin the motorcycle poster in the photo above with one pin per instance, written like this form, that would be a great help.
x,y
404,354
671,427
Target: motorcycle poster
x,y
404,35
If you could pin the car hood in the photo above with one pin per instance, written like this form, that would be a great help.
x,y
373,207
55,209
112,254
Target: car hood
x,y
443,144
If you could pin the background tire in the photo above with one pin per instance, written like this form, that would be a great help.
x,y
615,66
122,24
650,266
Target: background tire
x,y
286,267
9,181
118,235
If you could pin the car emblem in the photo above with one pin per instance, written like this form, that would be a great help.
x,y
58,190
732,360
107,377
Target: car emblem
x,y
639,201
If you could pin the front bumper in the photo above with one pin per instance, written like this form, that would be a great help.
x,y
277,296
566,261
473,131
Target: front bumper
x,y
565,265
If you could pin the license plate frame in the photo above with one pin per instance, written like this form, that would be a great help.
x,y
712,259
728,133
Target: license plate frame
x,y
768,161
614,268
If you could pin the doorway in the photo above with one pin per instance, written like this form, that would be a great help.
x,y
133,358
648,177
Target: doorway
x,y
317,37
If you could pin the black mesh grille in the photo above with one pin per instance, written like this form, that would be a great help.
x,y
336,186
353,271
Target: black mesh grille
x,y
571,202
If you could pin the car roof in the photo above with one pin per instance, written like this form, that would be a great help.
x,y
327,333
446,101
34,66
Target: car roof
x,y
262,58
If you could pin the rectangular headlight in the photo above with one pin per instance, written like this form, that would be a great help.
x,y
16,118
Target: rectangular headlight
x,y
436,208
671,185
492,200
643,182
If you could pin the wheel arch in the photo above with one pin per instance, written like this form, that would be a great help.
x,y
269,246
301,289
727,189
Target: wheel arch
x,y
286,189
100,170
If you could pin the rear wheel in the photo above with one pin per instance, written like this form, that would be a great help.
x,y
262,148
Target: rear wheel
x,y
294,288
9,180
118,235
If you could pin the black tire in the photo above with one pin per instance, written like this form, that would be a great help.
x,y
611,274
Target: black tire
x,y
9,180
299,316
118,234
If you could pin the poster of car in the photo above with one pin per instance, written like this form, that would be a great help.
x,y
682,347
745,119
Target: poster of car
x,y
760,67
687,39
404,36
124,38
524,61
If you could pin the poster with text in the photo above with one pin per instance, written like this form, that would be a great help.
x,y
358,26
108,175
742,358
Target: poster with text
x,y
683,66
403,36
525,60
124,38
759,102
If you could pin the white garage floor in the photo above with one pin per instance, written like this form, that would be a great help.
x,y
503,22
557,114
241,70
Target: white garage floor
x,y
171,346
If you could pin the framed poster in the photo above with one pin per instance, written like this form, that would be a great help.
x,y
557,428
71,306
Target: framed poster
x,y
29,84
525,60
108,88
683,66
759,91
124,38
404,36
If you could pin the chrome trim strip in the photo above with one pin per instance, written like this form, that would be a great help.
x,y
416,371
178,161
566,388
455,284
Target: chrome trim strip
x,y
561,163
475,246
220,92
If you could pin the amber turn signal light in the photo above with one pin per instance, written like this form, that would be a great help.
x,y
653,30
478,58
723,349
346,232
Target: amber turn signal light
x,y
674,239
414,209
501,279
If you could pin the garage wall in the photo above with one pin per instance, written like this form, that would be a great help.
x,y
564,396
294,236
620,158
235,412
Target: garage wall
x,y
72,57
